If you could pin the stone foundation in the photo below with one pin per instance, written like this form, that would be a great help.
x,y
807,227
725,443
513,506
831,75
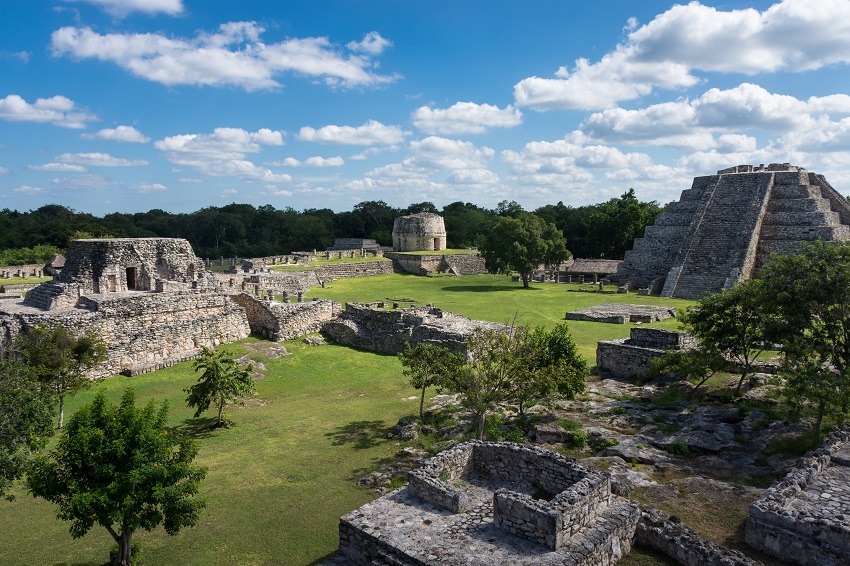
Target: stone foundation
x,y
805,517
618,313
633,356
285,321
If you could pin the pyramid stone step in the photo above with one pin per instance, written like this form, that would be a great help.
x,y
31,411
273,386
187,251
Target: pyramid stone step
x,y
799,205
805,233
795,191
802,219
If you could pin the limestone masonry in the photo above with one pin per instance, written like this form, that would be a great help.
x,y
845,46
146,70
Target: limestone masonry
x,y
424,231
724,228
631,357
620,313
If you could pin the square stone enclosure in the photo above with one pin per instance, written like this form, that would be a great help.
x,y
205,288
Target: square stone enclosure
x,y
539,495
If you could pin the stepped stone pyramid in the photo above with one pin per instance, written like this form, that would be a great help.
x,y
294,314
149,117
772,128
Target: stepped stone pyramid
x,y
724,228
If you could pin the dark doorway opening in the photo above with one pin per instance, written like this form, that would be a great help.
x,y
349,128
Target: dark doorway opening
x,y
131,278
436,243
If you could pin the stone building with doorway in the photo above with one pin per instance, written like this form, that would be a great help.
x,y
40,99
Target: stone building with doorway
x,y
424,231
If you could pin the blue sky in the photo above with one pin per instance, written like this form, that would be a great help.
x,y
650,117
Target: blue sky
x,y
129,105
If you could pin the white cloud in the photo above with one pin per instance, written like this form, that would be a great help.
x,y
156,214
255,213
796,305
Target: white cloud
x,y
4,171
316,161
98,160
127,134
87,181
27,190
222,153
371,44
441,153
58,167
692,123
234,55
56,110
120,8
465,118
792,35
365,154
473,177
147,188
370,133
189,180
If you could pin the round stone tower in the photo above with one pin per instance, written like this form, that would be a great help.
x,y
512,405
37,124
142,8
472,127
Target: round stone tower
x,y
424,231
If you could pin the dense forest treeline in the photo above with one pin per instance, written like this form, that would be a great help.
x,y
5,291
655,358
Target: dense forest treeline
x,y
243,230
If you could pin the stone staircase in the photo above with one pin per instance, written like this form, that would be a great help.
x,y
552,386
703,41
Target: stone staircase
x,y
49,295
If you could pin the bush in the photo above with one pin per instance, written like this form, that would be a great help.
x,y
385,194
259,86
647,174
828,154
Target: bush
x,y
577,440
679,448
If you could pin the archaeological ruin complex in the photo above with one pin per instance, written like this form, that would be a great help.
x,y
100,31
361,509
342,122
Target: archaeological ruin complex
x,y
724,228
424,231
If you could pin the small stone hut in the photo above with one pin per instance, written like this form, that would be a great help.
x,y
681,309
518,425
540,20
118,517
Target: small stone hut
x,y
583,270
54,265
424,231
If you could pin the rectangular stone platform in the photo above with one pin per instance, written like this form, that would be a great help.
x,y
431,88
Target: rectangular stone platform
x,y
618,313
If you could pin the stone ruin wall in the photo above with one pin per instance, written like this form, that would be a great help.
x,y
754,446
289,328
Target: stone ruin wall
x,y
146,331
779,528
285,321
633,356
29,270
724,228
424,231
423,264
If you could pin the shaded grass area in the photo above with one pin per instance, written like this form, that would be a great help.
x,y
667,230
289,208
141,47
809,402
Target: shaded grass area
x,y
497,298
278,481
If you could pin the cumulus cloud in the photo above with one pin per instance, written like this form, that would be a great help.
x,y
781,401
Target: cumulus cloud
x,y
147,188
121,8
232,56
316,161
465,118
127,134
192,180
223,153
28,190
371,44
441,153
692,123
791,35
58,167
370,133
98,160
56,110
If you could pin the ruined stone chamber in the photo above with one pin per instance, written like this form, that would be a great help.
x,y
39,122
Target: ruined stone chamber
x,y
424,231
633,356
724,228
150,299
494,503
386,331
805,518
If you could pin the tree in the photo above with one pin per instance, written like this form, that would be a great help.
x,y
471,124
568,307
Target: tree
x,y
696,366
733,323
119,467
520,244
809,296
26,411
61,358
426,365
224,381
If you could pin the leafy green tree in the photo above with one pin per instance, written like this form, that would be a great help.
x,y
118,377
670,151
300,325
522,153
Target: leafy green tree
x,y
696,366
520,244
26,411
61,358
809,294
119,467
733,323
224,381
426,365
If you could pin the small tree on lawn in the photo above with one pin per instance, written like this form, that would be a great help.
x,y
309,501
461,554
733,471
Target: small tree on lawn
x,y
426,365
60,358
224,381
26,412
696,366
520,244
733,323
119,467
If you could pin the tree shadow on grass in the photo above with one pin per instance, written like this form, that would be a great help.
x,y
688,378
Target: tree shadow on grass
x,y
360,434
201,427
324,558
484,288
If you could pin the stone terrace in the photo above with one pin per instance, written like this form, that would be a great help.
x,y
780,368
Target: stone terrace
x,y
618,313
630,357
479,503
805,517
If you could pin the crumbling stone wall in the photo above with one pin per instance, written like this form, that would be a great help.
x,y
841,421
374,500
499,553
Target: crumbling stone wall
x,y
803,516
423,231
387,331
423,264
285,321
633,356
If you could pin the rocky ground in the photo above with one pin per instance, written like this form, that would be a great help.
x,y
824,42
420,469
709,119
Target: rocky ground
x,y
704,461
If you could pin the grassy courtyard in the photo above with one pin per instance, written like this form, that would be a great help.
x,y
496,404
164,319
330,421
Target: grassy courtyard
x,y
279,480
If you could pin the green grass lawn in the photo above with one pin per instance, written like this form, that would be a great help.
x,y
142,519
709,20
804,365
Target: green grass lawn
x,y
280,479
24,280
497,298
321,262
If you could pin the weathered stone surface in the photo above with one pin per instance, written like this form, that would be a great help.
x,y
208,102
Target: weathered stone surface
x,y
423,231
620,313
285,321
723,229
387,331
633,356
805,517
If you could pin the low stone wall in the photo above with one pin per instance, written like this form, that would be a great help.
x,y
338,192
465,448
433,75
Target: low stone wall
x,y
363,549
464,264
29,270
423,264
781,524
681,543
285,321
633,356
432,482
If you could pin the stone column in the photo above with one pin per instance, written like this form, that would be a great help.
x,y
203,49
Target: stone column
x,y
300,296
595,279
